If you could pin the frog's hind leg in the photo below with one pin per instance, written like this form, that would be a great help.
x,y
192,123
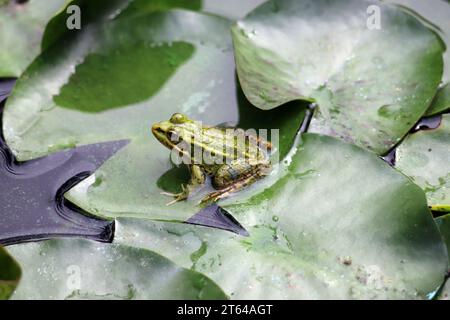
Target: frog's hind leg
x,y
227,184
225,192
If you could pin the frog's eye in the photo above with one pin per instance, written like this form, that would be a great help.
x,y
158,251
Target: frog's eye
x,y
178,118
173,136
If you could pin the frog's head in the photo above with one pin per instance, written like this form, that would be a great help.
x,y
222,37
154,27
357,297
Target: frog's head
x,y
179,128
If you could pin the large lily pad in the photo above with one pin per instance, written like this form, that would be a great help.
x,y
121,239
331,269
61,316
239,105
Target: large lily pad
x,y
435,14
22,24
339,223
425,157
112,80
83,269
9,274
371,85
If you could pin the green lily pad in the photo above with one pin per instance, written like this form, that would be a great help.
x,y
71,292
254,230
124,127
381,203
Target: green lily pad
x,y
112,80
83,269
435,14
101,11
21,29
370,85
339,223
9,274
441,102
444,226
233,9
425,157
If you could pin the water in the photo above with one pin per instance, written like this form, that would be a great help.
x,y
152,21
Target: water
x,y
32,203
428,123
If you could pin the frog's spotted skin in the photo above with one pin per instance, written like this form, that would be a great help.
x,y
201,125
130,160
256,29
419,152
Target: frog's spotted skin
x,y
243,161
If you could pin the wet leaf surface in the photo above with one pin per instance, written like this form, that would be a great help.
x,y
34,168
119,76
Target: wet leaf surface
x,y
435,15
371,85
425,157
322,231
83,269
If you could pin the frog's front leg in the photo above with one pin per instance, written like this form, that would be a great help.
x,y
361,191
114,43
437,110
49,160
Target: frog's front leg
x,y
198,178
234,177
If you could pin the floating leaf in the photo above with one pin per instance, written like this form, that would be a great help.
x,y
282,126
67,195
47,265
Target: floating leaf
x,y
22,24
112,80
371,84
444,227
435,15
9,274
338,224
83,269
425,157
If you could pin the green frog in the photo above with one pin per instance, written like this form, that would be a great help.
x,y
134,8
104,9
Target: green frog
x,y
232,158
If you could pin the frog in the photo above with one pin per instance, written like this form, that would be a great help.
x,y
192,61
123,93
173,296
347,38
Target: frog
x,y
243,162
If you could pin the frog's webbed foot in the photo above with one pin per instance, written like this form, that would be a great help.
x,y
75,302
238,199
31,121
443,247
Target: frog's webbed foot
x,y
197,179
178,196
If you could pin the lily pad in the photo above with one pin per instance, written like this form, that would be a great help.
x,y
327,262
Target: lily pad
x,y
444,227
233,9
9,274
101,11
22,24
435,14
83,269
425,157
371,85
111,81
324,230
445,292
441,102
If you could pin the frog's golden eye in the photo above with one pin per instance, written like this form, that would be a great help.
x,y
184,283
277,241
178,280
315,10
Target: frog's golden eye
x,y
178,118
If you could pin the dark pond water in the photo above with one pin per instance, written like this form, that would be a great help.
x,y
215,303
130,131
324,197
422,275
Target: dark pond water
x,y
32,205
